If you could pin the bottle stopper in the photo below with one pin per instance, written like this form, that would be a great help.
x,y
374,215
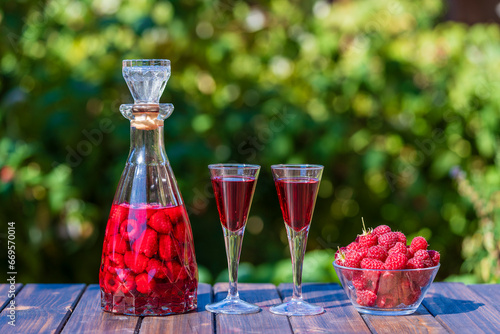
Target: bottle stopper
x,y
146,80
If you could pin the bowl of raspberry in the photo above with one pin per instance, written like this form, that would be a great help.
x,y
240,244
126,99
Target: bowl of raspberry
x,y
382,275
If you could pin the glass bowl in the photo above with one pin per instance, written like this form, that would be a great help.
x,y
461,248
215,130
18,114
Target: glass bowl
x,y
386,292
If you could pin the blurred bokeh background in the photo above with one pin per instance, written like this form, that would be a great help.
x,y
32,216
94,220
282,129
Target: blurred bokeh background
x,y
398,99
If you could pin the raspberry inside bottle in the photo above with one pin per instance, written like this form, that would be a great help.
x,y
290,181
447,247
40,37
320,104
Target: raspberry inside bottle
x,y
148,264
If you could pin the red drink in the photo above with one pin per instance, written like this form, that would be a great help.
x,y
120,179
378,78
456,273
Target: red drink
x,y
234,196
148,265
297,197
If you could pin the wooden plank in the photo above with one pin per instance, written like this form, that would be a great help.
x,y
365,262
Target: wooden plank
x,y
42,308
489,292
461,310
340,315
199,321
4,294
89,318
419,322
263,295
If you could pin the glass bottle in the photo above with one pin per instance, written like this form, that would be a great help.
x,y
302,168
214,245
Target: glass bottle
x,y
148,264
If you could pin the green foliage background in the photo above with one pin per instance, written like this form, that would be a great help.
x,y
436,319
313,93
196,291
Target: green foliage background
x,y
385,94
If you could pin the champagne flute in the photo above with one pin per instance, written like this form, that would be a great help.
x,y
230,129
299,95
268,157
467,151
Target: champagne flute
x,y
297,187
234,186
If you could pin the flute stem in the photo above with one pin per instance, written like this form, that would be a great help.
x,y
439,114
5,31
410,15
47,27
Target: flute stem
x,y
297,242
233,241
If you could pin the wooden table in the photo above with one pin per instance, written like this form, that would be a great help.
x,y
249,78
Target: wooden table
x,y
75,308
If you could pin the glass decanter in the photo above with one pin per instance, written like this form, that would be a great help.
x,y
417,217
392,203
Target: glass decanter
x,y
148,264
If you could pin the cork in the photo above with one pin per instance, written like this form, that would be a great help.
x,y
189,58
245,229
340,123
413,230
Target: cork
x,y
146,116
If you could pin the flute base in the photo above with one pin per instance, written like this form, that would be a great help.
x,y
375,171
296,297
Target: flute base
x,y
232,305
296,307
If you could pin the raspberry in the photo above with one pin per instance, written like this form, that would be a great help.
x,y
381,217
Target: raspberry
x,y
377,253
352,246
156,269
152,209
418,243
353,259
112,267
166,248
116,260
183,273
401,237
368,263
366,297
386,301
110,284
359,283
175,271
130,229
381,229
387,240
367,239
118,214
358,280
406,291
180,231
399,247
125,280
428,263
348,273
363,251
339,254
387,283
435,256
421,277
340,260
136,261
372,277
117,244
140,214
145,284
147,243
411,298
396,261
372,280
422,255
121,283
415,263
409,252
160,223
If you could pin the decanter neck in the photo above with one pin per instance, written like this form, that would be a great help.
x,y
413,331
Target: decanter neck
x,y
147,146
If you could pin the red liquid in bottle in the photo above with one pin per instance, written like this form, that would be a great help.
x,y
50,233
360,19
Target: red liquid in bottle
x,y
297,197
233,195
148,265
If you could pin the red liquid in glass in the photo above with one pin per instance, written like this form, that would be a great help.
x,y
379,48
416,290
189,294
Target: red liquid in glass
x,y
149,264
233,195
297,197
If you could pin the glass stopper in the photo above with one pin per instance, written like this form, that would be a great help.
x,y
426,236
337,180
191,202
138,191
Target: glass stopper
x,y
146,79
